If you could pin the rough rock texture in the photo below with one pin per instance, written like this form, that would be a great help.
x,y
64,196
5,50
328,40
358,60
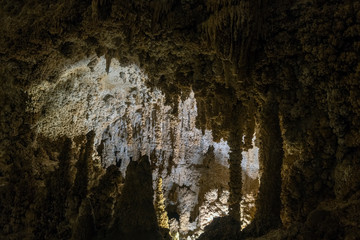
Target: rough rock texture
x,y
135,216
129,120
233,55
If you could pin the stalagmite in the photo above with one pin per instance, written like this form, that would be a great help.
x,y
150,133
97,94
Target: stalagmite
x,y
235,159
203,88
268,203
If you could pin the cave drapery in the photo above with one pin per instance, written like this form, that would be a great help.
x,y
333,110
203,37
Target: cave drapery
x,y
285,70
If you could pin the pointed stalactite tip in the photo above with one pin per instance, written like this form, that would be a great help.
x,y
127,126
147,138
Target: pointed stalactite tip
x,y
108,58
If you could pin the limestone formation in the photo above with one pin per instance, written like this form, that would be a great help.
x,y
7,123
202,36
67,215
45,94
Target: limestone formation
x,y
161,214
88,87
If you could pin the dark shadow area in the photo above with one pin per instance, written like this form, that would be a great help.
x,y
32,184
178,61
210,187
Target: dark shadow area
x,y
135,216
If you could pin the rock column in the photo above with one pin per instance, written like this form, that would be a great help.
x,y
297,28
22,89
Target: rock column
x,y
235,183
268,203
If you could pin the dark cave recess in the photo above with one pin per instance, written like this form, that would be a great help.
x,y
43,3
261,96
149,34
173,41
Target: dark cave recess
x,y
291,67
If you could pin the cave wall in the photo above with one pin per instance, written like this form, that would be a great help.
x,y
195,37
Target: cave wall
x,y
129,120
305,53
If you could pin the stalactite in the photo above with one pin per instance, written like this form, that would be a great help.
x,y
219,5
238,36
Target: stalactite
x,y
85,226
101,9
81,183
161,214
227,73
309,48
160,7
108,56
235,143
135,212
58,187
103,198
268,203
249,126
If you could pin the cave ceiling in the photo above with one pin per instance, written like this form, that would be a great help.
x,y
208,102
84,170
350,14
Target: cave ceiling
x,y
287,70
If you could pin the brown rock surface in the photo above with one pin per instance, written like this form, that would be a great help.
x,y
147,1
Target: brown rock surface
x,y
233,55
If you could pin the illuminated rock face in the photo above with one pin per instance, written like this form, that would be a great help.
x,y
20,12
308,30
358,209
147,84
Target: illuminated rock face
x,y
129,121
288,70
86,98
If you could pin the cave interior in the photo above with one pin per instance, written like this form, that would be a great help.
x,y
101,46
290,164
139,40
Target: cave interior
x,y
163,119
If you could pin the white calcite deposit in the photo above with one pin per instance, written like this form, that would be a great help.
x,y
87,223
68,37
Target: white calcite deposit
x,y
130,120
